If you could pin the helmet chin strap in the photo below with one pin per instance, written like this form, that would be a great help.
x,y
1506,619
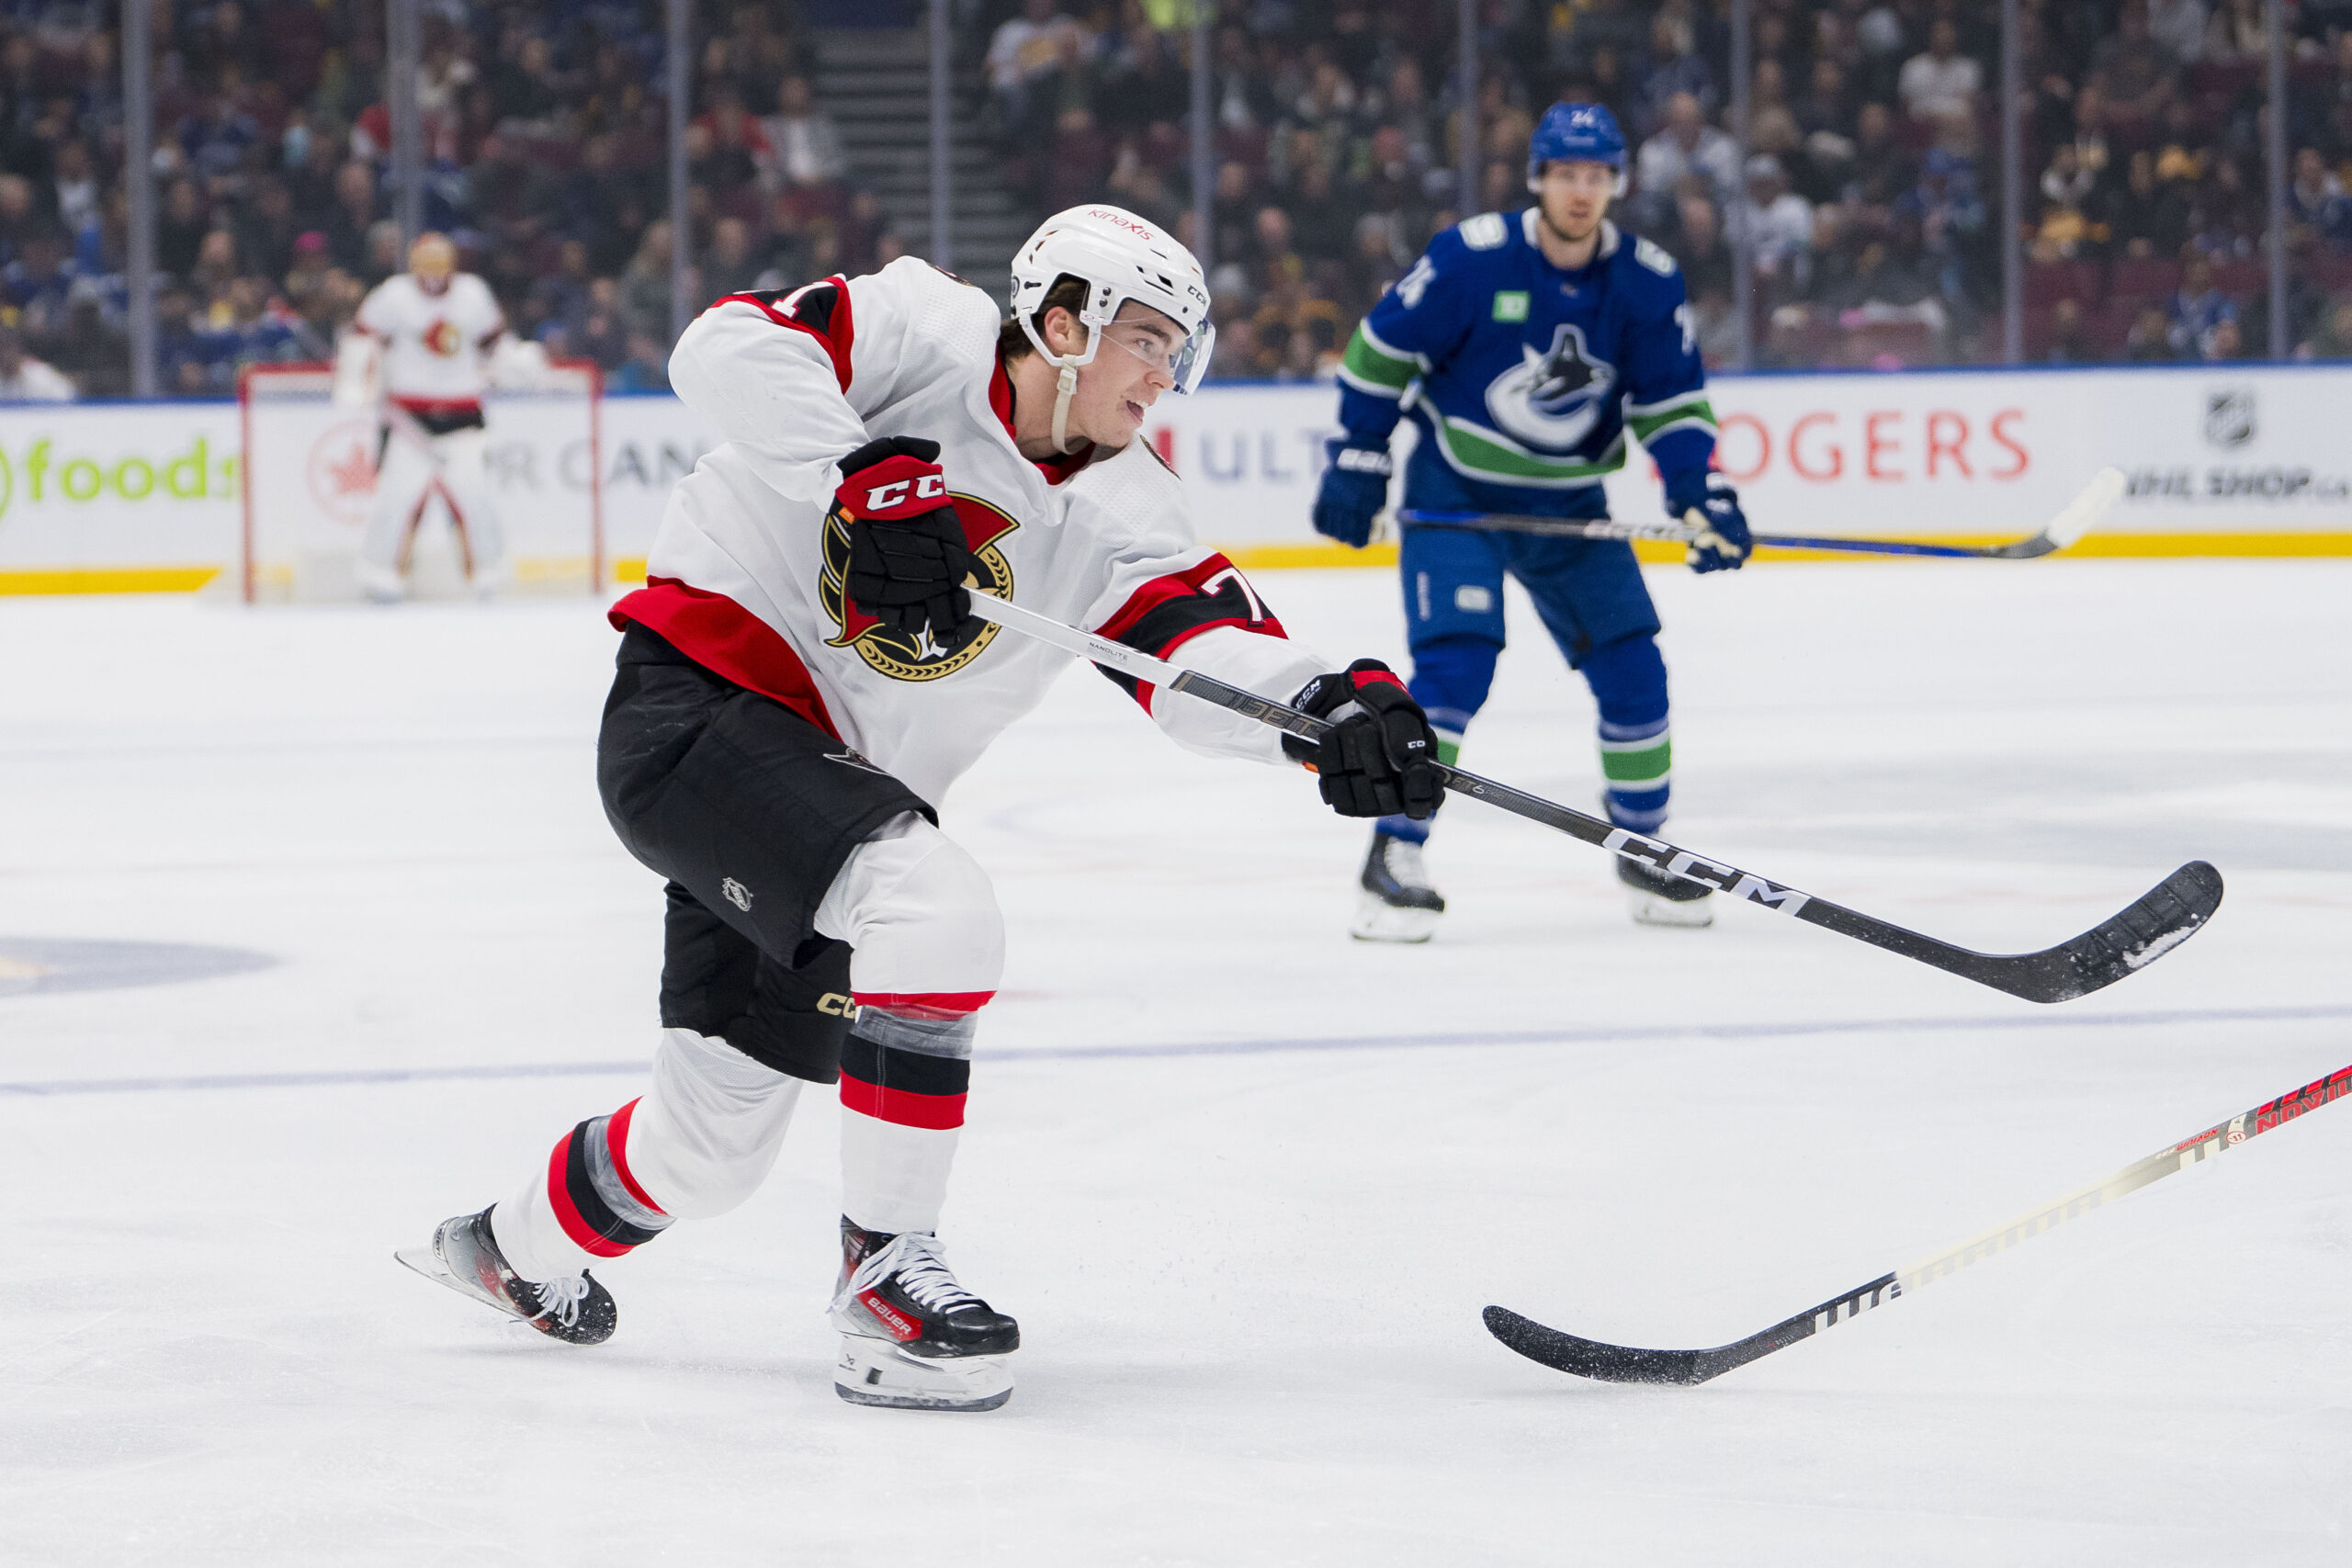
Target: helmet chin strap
x,y
1065,387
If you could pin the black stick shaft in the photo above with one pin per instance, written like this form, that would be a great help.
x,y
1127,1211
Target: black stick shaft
x,y
2154,924
1655,853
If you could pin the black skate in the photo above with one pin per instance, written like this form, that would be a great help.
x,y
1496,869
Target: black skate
x,y
1397,903
912,1337
1660,899
465,1256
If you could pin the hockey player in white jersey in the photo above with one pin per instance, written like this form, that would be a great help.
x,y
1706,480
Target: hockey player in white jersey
x,y
421,349
799,682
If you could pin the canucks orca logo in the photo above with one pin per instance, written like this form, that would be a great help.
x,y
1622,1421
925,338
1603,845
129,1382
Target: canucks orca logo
x,y
1552,399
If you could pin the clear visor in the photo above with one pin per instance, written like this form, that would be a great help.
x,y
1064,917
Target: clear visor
x,y
1183,360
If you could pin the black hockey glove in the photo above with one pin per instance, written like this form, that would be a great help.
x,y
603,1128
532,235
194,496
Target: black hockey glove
x,y
908,557
1380,757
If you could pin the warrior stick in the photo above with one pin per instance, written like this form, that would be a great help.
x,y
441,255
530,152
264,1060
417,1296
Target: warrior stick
x,y
1623,1363
2165,918
2080,516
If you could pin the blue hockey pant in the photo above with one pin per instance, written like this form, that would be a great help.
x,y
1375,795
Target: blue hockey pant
x,y
1589,595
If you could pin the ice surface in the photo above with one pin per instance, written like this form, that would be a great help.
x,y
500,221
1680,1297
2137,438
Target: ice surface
x,y
1246,1184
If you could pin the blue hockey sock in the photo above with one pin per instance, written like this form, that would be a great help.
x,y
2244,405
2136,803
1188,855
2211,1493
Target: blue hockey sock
x,y
1628,681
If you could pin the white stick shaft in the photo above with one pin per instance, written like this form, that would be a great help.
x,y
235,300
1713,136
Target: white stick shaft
x,y
1070,639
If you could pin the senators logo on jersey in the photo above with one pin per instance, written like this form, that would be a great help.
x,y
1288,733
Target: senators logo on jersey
x,y
443,338
916,657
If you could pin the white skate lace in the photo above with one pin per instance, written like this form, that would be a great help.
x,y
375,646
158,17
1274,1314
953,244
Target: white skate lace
x,y
1404,861
922,1274
562,1297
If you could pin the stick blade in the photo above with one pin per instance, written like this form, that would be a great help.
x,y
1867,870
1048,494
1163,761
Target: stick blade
x,y
1591,1359
2087,511
2165,916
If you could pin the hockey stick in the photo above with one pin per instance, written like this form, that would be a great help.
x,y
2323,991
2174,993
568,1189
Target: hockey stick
x,y
2078,517
2160,920
1623,1363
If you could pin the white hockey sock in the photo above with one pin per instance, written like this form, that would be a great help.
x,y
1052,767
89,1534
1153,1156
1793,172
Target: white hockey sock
x,y
904,1078
700,1141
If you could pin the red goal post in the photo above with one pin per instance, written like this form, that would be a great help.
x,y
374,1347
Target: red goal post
x,y
307,472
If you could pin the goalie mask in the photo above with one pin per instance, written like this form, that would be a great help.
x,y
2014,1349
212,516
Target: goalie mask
x,y
1119,258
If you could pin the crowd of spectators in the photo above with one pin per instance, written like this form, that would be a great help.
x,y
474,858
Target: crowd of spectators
x,y
544,137
1867,190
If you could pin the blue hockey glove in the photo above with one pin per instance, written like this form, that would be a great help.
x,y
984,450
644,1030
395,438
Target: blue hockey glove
x,y
1723,541
1355,489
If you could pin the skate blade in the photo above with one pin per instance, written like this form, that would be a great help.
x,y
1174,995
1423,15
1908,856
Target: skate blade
x,y
430,1263
876,1372
1379,920
427,1262
1649,909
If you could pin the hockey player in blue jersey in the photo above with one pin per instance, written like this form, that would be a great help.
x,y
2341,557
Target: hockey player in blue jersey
x,y
1525,346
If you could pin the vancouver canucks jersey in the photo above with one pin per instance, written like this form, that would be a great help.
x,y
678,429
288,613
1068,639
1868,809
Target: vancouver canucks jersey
x,y
1523,374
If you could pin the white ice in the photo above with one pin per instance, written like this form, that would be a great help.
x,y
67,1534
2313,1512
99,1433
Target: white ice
x,y
1246,1184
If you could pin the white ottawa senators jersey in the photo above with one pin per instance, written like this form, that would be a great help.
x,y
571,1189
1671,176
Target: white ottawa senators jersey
x,y
433,344
745,575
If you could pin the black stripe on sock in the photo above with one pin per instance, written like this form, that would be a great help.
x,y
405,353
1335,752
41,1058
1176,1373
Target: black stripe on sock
x,y
587,1200
885,1068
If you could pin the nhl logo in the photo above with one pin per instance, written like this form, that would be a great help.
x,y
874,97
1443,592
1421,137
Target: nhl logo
x,y
736,893
2229,418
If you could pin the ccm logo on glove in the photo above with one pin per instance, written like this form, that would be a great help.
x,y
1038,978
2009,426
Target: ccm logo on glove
x,y
908,557
890,499
892,480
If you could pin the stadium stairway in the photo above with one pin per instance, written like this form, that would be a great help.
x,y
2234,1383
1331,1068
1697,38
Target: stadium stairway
x,y
876,82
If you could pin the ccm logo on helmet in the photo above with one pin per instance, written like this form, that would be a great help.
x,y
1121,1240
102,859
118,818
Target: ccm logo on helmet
x,y
881,498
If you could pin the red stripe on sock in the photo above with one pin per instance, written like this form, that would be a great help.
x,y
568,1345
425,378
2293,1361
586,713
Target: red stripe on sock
x,y
902,1108
924,1004
567,1212
617,1140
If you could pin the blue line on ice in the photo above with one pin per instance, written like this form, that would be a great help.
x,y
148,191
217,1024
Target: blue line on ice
x,y
1243,1047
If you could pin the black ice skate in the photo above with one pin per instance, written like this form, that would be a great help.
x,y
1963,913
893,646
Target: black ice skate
x,y
465,1256
912,1337
1397,903
1657,898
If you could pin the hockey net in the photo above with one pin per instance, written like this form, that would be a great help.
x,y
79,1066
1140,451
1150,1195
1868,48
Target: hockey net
x,y
308,473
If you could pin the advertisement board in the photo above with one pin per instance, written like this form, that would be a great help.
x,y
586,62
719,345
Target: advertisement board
x,y
2217,460
2220,460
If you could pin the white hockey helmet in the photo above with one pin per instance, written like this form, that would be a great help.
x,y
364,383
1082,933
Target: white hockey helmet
x,y
1119,258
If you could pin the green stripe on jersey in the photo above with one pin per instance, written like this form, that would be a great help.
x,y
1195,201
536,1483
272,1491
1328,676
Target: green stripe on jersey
x,y
1636,761
1479,452
1691,414
1373,368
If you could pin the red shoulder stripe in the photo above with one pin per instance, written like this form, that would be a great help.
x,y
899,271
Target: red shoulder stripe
x,y
1170,611
820,309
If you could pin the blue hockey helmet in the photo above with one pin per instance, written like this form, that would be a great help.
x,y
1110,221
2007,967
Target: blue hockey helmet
x,y
1577,133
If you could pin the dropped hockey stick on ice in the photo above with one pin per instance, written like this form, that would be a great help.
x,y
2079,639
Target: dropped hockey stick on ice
x,y
2162,920
2081,515
1623,1363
